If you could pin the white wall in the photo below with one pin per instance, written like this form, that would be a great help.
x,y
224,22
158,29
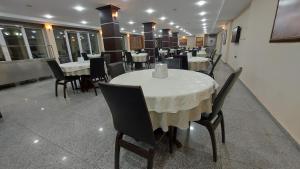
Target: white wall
x,y
270,69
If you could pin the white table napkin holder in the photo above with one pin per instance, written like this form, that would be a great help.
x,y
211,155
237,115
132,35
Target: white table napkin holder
x,y
160,71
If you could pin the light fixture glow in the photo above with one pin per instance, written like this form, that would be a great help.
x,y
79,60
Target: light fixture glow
x,y
79,8
84,22
204,19
204,24
64,158
1,28
163,18
133,30
201,3
48,16
100,129
171,23
202,13
36,141
131,22
122,29
160,31
177,26
150,11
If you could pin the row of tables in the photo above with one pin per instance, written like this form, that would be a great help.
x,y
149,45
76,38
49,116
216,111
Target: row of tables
x,y
173,101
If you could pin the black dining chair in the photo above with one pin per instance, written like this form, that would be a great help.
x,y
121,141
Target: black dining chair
x,y
97,72
210,70
174,63
129,60
212,120
194,53
131,118
184,61
115,69
61,79
85,56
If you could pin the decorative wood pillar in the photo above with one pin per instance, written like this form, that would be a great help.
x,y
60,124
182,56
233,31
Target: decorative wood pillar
x,y
165,38
175,39
149,38
111,32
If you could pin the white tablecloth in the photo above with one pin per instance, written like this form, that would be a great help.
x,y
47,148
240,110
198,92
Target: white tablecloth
x,y
141,57
199,54
198,63
163,52
94,55
175,100
76,68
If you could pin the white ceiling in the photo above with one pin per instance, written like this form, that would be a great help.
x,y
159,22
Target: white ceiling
x,y
182,12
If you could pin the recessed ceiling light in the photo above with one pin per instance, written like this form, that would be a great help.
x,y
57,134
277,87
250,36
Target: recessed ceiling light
x,y
133,31
181,29
200,3
171,23
122,29
150,11
204,24
1,28
79,8
160,31
204,19
48,16
131,22
163,18
202,13
177,26
84,22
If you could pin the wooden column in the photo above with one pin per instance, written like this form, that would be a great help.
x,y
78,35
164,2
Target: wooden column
x,y
111,32
149,38
165,38
175,39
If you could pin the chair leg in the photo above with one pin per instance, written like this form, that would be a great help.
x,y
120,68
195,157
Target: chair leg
x,y
223,129
1,115
171,140
150,159
95,90
56,84
213,141
72,84
65,88
117,151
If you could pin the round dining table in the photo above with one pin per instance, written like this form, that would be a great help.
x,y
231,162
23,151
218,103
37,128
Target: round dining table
x,y
139,59
173,101
198,63
76,68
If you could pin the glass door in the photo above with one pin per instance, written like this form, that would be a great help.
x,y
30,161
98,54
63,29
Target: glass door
x,y
74,45
85,43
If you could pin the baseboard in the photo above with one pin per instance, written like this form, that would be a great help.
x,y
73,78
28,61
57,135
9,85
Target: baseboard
x,y
286,133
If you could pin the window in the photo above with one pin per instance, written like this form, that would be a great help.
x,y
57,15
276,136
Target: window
x,y
61,45
36,43
85,42
74,45
94,42
2,58
15,43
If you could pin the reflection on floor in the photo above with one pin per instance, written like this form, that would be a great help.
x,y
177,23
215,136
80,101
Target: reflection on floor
x,y
42,131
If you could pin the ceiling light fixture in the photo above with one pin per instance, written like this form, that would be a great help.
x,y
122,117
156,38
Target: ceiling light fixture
x,y
1,28
181,29
84,22
131,22
204,19
150,11
201,3
177,26
171,23
48,16
133,30
202,13
79,8
204,24
122,29
163,18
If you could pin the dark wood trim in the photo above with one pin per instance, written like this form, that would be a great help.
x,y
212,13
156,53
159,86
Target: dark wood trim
x,y
285,40
21,23
74,28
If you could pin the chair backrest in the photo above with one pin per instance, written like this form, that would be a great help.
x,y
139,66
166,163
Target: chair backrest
x,y
106,57
174,63
219,100
194,53
212,54
156,52
129,111
58,73
85,56
215,64
115,69
128,57
97,67
184,61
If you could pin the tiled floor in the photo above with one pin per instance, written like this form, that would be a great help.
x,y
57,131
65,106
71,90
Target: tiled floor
x,y
45,132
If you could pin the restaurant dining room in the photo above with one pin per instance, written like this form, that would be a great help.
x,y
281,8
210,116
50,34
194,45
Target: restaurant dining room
x,y
149,84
